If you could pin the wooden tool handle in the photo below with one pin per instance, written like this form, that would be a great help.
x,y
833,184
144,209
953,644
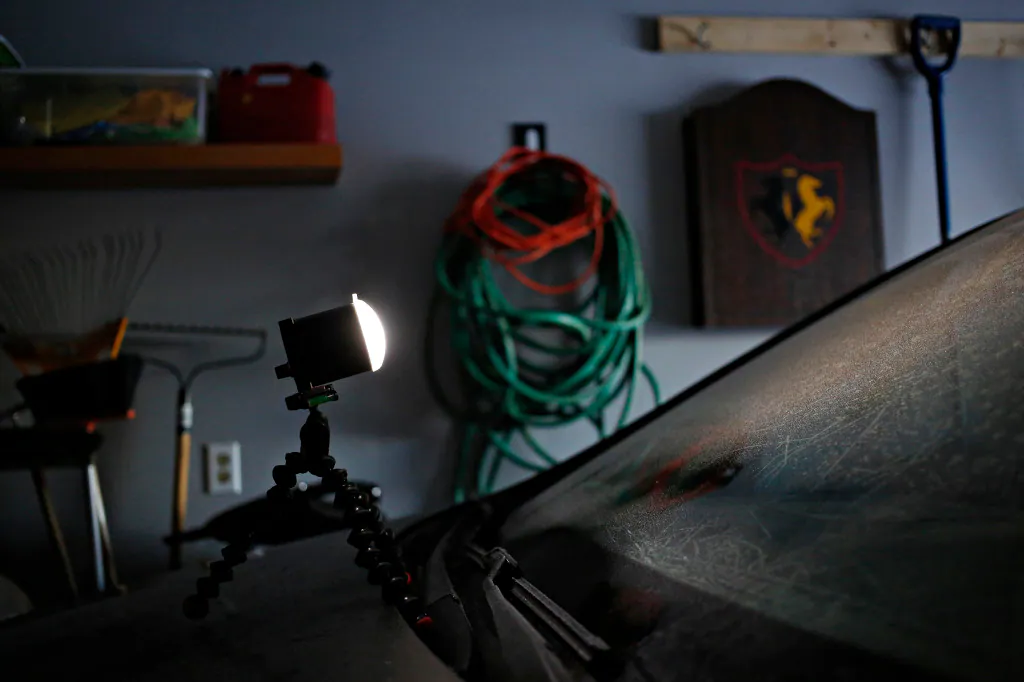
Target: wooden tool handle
x,y
181,464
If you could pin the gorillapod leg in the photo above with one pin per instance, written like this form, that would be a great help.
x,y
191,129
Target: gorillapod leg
x,y
377,551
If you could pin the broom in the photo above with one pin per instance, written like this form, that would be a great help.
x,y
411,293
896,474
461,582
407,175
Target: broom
x,y
62,305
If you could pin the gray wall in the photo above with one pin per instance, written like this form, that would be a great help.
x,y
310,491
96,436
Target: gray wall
x,y
425,93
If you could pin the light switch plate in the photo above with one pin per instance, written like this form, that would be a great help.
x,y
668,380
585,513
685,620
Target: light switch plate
x,y
223,468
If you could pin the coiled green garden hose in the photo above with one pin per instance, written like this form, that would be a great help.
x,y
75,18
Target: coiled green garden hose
x,y
527,368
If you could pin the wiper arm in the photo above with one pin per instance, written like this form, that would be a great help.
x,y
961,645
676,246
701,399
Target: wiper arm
x,y
503,570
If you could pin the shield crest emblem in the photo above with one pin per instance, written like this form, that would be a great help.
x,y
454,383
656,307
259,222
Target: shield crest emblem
x,y
790,207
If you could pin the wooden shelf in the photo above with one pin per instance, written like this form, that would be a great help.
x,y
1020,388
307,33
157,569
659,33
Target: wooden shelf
x,y
863,37
215,165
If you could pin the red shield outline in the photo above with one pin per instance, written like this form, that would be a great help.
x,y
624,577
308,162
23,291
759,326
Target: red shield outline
x,y
836,167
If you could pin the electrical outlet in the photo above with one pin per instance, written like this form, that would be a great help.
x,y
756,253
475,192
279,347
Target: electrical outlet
x,y
223,468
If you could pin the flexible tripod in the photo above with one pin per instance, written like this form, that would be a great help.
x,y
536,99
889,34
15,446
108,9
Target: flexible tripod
x,y
377,551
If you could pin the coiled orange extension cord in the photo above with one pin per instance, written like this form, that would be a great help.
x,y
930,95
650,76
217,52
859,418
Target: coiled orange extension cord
x,y
480,210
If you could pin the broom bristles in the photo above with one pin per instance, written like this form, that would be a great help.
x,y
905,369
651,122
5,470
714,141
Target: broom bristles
x,y
74,289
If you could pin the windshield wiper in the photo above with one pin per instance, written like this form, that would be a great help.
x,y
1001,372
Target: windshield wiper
x,y
503,570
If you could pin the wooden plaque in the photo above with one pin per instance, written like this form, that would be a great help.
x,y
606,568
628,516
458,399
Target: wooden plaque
x,y
784,203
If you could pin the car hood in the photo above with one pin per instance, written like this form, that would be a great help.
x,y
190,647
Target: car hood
x,y
302,612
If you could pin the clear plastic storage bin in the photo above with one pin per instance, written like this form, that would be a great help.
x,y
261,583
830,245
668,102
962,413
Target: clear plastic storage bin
x,y
103,106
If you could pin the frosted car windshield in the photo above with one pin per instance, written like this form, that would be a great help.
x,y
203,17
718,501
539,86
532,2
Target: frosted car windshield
x,y
861,480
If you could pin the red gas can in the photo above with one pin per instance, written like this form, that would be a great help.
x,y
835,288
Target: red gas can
x,y
276,103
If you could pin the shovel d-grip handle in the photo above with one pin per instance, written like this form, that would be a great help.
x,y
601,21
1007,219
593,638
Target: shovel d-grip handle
x,y
936,24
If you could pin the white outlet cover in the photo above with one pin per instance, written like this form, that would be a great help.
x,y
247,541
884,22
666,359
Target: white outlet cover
x,y
223,468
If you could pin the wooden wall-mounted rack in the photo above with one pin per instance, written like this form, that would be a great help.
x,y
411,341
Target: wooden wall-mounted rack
x,y
851,37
